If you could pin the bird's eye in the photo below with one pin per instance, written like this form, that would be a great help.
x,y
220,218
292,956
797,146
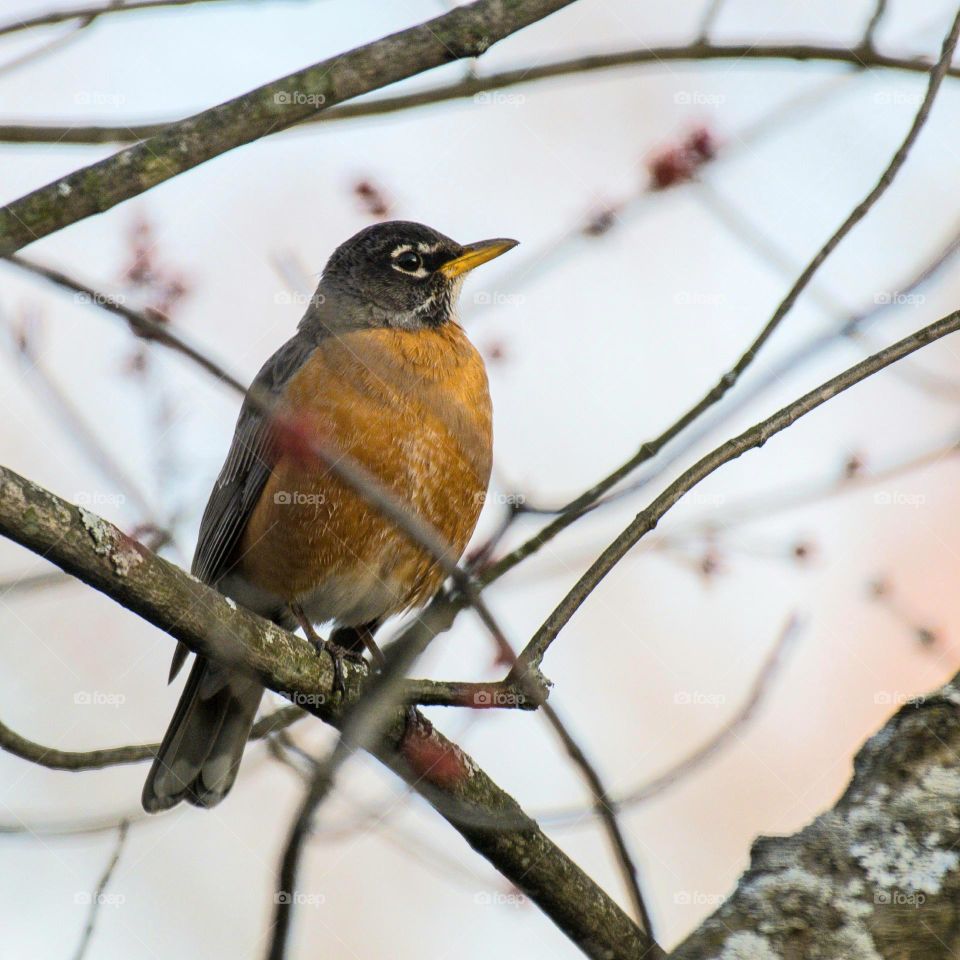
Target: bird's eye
x,y
408,261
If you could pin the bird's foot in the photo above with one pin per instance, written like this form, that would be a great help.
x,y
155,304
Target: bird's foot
x,y
337,655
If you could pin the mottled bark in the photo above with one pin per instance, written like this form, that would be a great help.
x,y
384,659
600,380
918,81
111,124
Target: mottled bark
x,y
875,877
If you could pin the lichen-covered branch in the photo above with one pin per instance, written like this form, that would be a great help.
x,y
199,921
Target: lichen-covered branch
x,y
491,821
875,878
466,31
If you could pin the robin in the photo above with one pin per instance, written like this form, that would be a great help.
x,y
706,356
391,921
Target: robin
x,y
380,371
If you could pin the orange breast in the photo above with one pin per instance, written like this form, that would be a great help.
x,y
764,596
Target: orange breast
x,y
413,408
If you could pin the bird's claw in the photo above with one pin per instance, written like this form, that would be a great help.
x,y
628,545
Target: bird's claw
x,y
337,655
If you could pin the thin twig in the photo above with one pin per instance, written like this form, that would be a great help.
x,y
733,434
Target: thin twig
x,y
709,18
466,31
44,49
71,420
100,891
469,87
606,810
93,11
755,436
584,501
79,760
869,33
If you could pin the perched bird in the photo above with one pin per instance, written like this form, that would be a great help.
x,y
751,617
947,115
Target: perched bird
x,y
380,371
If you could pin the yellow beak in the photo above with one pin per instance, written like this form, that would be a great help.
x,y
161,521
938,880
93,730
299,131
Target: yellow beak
x,y
474,254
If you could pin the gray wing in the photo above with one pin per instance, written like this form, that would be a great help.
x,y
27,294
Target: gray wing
x,y
244,473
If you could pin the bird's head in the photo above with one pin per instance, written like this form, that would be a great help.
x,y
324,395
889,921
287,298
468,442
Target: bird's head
x,y
399,274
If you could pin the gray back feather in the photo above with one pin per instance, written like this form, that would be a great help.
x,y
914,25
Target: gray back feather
x,y
237,490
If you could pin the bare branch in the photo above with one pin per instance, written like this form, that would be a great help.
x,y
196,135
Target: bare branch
x,y
78,760
869,33
755,436
464,32
470,86
87,13
579,506
98,894
683,768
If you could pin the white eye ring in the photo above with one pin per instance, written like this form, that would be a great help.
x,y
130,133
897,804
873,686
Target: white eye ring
x,y
408,261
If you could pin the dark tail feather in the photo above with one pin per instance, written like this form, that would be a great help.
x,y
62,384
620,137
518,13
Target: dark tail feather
x,y
200,754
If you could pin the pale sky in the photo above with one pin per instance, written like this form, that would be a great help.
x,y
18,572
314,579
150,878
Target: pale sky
x,y
603,346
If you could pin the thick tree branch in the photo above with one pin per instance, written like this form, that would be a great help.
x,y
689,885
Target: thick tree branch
x,y
488,818
466,31
474,86
876,876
